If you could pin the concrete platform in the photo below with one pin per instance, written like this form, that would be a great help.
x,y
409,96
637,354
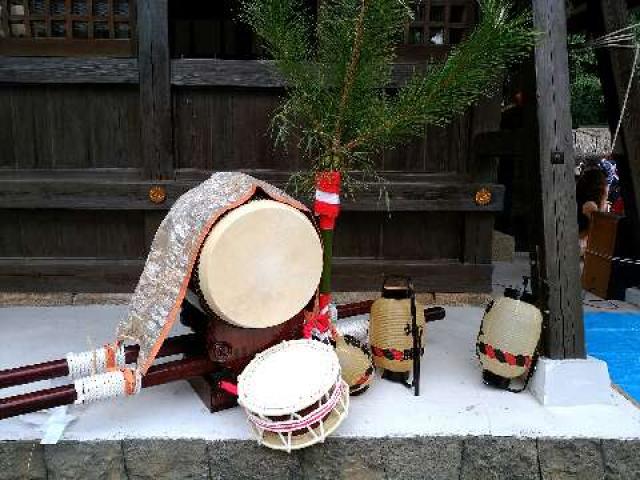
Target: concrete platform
x,y
457,428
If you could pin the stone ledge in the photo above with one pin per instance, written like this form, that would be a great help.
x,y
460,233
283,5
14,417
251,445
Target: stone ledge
x,y
12,299
20,299
339,458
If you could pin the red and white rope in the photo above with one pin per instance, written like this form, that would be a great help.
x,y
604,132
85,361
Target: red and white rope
x,y
321,326
327,202
300,423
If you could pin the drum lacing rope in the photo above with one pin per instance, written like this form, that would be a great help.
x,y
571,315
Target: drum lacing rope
x,y
96,361
300,423
118,383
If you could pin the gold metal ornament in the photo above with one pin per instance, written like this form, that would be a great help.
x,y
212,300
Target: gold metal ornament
x,y
483,197
157,194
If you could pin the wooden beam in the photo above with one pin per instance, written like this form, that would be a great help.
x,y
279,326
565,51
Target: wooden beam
x,y
225,73
66,70
191,72
365,274
134,195
155,88
614,65
564,334
184,72
27,274
121,275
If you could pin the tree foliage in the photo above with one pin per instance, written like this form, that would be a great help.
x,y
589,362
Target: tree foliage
x,y
337,69
587,99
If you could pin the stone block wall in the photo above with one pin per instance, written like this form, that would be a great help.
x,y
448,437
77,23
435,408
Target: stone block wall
x,y
442,458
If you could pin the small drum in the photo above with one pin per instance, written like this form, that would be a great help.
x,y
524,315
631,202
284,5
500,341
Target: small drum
x,y
260,264
355,362
293,394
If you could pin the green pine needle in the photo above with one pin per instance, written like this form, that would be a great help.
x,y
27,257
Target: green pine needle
x,y
337,106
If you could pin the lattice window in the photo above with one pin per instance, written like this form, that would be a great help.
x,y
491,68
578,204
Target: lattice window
x,y
67,27
439,24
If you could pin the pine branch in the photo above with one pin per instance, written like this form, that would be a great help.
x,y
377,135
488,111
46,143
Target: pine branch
x,y
350,75
336,104
442,93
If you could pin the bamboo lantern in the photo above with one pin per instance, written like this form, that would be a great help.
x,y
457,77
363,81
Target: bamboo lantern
x,y
507,342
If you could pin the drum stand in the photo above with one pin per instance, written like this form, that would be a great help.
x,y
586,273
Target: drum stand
x,y
231,348
216,351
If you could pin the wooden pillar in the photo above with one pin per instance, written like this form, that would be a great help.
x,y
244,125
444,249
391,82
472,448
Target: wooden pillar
x,y
614,65
564,332
155,88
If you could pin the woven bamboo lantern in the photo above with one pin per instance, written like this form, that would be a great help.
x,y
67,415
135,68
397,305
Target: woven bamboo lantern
x,y
355,362
390,334
509,334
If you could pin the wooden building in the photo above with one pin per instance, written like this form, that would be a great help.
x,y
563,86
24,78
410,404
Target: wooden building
x,y
102,100
110,109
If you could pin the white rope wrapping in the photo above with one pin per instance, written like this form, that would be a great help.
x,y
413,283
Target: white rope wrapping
x,y
103,386
92,362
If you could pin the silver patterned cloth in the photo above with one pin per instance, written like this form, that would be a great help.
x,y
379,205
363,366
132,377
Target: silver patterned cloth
x,y
156,302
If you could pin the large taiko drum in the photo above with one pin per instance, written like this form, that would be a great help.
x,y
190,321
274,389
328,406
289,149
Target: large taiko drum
x,y
260,264
294,394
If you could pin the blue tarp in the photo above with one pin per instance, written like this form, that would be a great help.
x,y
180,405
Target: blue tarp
x,y
615,338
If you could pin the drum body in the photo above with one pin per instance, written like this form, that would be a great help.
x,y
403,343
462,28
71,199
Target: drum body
x,y
355,363
390,334
260,265
293,394
508,337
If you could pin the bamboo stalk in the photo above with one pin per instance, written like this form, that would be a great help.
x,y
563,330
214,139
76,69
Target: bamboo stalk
x,y
327,263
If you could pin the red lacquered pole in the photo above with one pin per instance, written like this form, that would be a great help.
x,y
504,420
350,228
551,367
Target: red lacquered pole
x,y
353,309
59,368
66,395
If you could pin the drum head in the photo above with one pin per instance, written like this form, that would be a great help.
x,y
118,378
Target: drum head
x,y
288,377
260,264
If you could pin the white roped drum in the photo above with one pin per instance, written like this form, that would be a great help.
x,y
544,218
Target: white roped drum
x,y
260,264
294,394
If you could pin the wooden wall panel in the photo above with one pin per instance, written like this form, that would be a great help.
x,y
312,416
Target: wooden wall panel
x,y
10,240
359,234
7,158
54,127
422,235
69,234
226,129
202,129
219,128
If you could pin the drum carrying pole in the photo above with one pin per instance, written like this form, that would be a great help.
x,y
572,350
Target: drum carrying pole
x,y
60,368
66,395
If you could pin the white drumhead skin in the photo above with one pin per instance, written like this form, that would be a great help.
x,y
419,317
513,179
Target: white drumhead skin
x,y
288,377
260,264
